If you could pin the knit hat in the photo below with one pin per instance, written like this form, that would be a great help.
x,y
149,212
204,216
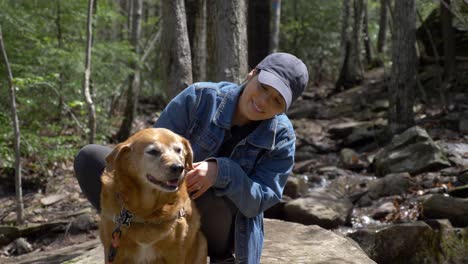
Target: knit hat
x,y
286,73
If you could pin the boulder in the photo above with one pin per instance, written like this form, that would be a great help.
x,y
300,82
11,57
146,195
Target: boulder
x,y
438,206
391,184
412,151
322,208
287,242
417,242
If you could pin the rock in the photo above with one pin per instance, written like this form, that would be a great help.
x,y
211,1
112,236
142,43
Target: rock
x,y
438,206
383,210
287,243
349,159
463,177
412,151
463,126
321,208
459,191
83,223
391,184
51,199
458,153
343,129
295,243
296,186
413,243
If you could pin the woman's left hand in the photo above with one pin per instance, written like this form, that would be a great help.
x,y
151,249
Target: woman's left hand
x,y
201,178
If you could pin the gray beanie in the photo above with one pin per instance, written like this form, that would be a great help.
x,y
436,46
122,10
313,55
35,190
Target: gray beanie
x,y
286,73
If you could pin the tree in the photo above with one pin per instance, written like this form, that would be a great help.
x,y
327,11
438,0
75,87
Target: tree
x,y
14,118
274,38
365,30
176,55
196,25
87,74
134,78
403,82
351,70
381,38
227,40
258,31
449,40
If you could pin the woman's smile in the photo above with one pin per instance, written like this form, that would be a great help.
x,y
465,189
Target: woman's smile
x,y
256,107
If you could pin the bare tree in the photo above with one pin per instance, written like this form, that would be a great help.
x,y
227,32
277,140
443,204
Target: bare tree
x,y
403,82
176,56
227,40
196,25
87,74
275,28
133,90
14,118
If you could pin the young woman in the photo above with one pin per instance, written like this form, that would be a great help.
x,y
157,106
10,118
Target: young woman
x,y
243,146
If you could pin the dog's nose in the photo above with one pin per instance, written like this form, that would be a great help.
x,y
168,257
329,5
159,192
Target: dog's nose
x,y
177,168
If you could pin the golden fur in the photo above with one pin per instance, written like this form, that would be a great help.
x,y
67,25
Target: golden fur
x,y
145,175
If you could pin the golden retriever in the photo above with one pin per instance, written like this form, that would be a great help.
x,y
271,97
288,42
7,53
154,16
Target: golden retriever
x,y
147,215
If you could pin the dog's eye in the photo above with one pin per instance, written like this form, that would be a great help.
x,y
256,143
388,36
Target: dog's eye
x,y
177,149
154,152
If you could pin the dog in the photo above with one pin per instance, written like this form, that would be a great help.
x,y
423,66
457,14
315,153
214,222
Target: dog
x,y
147,215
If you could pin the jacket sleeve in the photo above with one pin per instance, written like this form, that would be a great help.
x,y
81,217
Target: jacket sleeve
x,y
177,115
264,188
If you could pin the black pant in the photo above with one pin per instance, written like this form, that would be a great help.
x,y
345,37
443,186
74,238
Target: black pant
x,y
217,213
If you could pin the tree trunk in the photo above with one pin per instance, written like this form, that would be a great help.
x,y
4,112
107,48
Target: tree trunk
x,y
449,41
14,118
403,82
61,107
383,20
275,29
227,41
354,66
258,31
87,75
365,29
196,25
351,70
176,56
133,90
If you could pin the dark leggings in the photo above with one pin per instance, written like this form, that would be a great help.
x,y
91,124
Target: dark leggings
x,y
217,212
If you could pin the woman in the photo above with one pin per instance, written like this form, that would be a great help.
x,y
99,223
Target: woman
x,y
243,146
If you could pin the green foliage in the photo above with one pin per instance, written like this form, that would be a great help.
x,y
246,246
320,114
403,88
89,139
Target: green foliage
x,y
45,42
311,31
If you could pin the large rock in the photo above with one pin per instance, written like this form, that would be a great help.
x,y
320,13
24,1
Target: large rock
x,y
322,208
438,206
412,151
418,242
287,242
391,184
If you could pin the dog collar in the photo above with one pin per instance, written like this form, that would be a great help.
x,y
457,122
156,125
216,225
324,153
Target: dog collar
x,y
126,217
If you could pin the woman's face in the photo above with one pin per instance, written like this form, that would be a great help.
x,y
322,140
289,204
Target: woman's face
x,y
258,101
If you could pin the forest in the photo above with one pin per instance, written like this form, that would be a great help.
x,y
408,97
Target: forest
x,y
383,121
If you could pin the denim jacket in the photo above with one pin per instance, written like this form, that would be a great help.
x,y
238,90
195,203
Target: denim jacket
x,y
254,176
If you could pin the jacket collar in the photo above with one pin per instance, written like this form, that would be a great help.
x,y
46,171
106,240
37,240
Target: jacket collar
x,y
263,136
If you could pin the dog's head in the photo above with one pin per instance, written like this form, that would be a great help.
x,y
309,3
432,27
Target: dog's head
x,y
156,157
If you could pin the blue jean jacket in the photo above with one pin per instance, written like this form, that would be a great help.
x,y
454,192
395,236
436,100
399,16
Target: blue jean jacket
x,y
255,174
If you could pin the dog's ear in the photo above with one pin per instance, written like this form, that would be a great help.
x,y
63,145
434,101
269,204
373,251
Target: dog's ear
x,y
188,154
114,155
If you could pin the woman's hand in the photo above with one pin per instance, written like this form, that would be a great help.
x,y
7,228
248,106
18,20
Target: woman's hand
x,y
201,178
